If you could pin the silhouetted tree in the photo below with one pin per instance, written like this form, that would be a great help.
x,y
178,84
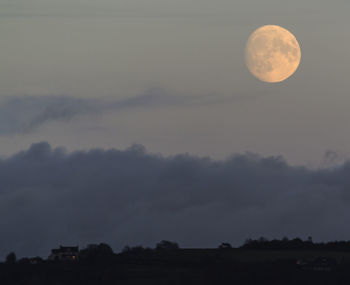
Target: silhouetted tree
x,y
36,260
262,240
96,253
135,249
11,258
24,260
225,245
167,245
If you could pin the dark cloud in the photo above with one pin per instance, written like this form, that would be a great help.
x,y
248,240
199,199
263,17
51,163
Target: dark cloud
x,y
23,114
50,197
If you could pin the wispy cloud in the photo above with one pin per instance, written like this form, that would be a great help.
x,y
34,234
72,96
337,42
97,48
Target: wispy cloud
x,y
22,114
25,113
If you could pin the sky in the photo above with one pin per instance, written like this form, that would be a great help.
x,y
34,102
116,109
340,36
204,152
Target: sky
x,y
163,84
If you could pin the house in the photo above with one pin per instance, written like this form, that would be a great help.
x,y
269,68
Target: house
x,y
65,253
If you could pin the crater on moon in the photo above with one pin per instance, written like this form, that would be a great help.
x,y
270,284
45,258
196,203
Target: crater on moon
x,y
272,53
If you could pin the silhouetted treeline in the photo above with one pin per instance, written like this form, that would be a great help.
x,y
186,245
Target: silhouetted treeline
x,y
161,246
296,243
167,263
102,253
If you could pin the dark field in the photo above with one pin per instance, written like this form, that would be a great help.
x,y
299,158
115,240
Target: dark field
x,y
187,266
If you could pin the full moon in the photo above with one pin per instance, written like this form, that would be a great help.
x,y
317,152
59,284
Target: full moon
x,y
272,53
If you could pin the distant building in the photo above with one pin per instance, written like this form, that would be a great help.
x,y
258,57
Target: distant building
x,y
64,253
317,264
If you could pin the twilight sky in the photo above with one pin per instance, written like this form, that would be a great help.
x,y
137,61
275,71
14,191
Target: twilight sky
x,y
117,50
169,75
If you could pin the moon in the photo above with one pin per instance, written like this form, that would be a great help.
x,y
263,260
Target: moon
x,y
272,53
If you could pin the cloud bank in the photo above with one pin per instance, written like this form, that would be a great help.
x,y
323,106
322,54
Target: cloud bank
x,y
50,197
